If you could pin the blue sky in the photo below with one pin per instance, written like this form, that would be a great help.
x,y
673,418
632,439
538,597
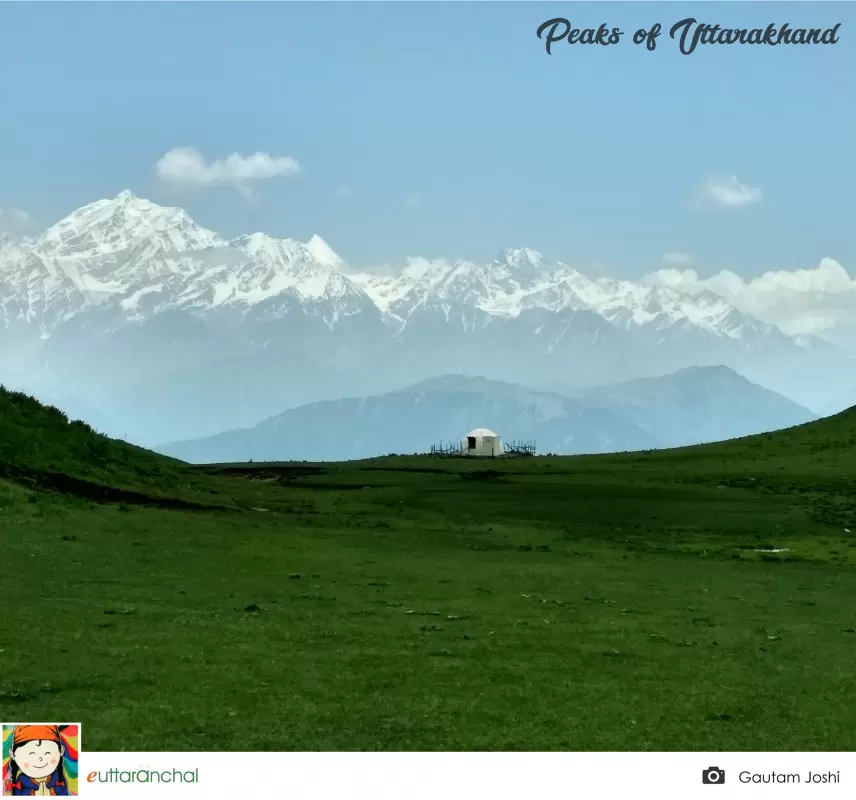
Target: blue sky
x,y
444,129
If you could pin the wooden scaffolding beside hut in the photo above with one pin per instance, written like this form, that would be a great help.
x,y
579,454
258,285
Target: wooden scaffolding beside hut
x,y
519,448
448,449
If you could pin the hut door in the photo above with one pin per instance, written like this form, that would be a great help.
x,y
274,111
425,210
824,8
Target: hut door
x,y
471,442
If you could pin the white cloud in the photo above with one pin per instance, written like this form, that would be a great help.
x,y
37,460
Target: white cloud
x,y
820,301
15,221
679,259
726,190
596,268
187,167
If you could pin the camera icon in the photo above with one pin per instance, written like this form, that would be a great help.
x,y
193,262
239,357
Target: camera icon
x,y
713,775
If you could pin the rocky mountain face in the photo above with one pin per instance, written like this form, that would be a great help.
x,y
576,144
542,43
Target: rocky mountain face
x,y
166,330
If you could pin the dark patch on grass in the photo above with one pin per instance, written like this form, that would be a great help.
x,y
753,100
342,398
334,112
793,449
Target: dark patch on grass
x,y
415,470
96,492
491,475
10,695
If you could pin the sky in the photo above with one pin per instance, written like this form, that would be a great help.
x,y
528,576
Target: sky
x,y
441,130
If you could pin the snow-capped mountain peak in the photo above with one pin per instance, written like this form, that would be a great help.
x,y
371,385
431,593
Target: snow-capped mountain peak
x,y
286,265
521,257
146,259
118,225
325,254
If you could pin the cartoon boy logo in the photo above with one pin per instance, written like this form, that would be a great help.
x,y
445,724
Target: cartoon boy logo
x,y
35,767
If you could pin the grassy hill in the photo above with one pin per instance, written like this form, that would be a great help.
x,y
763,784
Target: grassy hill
x,y
42,447
700,598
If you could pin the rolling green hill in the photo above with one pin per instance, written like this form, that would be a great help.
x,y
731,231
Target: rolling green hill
x,y
698,598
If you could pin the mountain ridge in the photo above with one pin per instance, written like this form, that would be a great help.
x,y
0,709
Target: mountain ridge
x,y
442,409
725,405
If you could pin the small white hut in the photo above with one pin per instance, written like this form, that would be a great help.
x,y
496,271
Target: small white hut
x,y
481,442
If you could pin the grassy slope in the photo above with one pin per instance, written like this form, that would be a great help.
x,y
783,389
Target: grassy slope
x,y
38,443
610,602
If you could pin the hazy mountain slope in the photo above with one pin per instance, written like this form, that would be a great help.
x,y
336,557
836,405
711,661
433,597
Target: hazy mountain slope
x,y
413,419
698,404
169,330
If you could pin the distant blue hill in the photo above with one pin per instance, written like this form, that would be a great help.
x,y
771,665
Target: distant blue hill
x,y
690,406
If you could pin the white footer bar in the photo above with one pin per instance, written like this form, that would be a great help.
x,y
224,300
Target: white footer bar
x,y
469,776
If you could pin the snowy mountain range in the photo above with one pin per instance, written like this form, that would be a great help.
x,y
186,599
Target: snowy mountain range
x,y
172,331
521,280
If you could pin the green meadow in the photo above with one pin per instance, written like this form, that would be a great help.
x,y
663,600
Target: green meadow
x,y
694,599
